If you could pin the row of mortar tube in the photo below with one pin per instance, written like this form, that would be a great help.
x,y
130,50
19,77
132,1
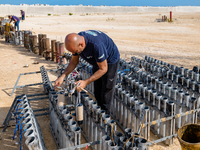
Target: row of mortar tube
x,y
59,113
94,102
31,129
162,87
169,93
157,84
45,79
93,106
156,67
177,70
106,122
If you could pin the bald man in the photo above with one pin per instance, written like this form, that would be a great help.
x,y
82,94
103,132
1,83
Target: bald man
x,y
99,50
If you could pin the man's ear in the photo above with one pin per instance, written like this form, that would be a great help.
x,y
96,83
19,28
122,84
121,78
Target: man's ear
x,y
81,44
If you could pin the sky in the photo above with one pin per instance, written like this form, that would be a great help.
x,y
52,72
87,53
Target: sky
x,y
107,2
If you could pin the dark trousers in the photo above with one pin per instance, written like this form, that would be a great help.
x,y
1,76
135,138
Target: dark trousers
x,y
104,87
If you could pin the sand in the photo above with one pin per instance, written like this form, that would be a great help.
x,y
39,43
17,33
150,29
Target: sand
x,y
135,34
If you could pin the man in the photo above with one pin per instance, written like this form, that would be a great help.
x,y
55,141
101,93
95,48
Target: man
x,y
23,14
16,20
100,51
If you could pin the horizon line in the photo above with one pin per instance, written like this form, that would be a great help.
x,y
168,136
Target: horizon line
x,y
37,4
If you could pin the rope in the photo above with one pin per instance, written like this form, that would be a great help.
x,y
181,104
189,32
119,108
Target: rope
x,y
112,132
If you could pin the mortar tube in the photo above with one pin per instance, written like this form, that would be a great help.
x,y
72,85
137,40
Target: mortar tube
x,y
125,110
149,90
153,96
135,102
170,125
163,87
186,99
116,89
191,74
192,105
197,87
77,135
181,71
30,133
174,93
106,118
95,134
105,140
130,147
163,104
157,113
71,124
158,85
68,119
196,77
128,132
168,74
154,82
117,137
140,90
139,109
168,90
144,75
32,143
111,126
181,79
136,85
117,109
113,109
180,95
192,84
146,129
101,113
65,113
122,140
163,124
96,113
142,144
153,102
129,112
92,108
121,106
144,92
111,145
159,72
28,126
85,99
91,125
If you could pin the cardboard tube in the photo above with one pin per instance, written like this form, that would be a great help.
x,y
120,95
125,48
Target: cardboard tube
x,y
61,98
79,112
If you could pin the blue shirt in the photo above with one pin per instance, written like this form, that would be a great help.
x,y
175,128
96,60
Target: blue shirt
x,y
99,47
23,13
14,17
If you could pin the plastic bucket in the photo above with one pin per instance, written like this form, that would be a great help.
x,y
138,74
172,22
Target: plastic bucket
x,y
189,137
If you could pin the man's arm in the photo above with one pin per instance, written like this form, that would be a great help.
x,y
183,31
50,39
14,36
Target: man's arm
x,y
71,66
103,67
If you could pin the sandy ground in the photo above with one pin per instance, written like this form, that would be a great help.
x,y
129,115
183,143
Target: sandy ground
x,y
135,34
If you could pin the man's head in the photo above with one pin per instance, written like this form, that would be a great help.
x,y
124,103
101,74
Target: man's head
x,y
21,10
9,17
74,43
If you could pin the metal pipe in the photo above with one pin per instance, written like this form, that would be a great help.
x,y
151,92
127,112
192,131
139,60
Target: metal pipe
x,y
105,140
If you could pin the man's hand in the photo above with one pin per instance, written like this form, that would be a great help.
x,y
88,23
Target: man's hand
x,y
83,84
59,81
